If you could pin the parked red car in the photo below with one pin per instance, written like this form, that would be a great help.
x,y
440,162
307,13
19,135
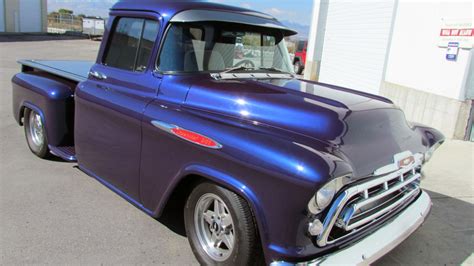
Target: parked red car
x,y
300,57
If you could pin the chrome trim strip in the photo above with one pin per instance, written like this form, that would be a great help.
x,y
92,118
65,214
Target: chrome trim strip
x,y
223,76
168,128
349,227
379,243
349,212
163,126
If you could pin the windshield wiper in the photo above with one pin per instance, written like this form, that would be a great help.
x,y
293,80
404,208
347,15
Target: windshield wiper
x,y
229,70
275,70
239,68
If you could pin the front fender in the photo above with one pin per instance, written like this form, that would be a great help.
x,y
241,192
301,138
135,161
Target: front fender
x,y
276,173
430,136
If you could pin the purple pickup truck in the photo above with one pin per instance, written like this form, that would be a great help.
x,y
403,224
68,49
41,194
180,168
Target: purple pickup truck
x,y
194,108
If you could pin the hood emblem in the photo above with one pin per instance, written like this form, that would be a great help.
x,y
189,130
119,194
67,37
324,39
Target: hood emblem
x,y
401,160
408,161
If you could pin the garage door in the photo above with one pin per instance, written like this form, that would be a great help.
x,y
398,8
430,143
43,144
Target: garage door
x,y
2,15
30,16
355,43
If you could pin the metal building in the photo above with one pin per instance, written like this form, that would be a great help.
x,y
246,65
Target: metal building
x,y
417,53
23,16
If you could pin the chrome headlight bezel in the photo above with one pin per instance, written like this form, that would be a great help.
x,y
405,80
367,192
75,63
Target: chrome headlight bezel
x,y
325,195
429,153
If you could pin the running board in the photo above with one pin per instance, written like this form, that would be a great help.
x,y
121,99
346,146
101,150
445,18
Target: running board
x,y
67,153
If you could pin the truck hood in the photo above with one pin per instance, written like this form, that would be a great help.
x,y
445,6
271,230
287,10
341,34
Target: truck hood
x,y
351,122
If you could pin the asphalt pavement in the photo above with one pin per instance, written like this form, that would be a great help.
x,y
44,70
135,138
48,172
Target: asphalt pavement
x,y
52,213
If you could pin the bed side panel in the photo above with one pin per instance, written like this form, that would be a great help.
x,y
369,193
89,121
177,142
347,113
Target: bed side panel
x,y
49,96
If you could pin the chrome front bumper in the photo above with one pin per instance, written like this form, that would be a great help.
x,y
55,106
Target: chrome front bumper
x,y
379,243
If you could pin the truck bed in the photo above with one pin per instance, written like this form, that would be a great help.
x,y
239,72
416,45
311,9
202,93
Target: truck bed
x,y
73,70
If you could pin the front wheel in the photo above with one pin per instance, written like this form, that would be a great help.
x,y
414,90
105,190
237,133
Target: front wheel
x,y
35,133
220,227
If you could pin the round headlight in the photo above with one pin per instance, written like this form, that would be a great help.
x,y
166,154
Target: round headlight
x,y
322,198
325,195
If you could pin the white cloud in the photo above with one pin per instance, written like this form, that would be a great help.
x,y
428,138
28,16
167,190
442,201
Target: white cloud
x,y
246,5
274,11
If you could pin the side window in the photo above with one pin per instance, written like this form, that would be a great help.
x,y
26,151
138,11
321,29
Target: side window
x,y
131,43
146,46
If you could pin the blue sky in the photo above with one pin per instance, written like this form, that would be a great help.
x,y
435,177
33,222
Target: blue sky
x,y
295,11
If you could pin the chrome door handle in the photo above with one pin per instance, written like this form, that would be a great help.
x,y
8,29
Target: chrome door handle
x,y
97,75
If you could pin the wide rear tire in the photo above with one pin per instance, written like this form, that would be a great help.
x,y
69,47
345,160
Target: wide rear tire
x,y
35,133
221,228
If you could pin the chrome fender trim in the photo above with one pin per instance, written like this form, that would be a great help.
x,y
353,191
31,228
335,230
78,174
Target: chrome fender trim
x,y
194,136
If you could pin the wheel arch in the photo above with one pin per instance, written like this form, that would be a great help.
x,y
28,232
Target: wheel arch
x,y
51,98
27,105
178,192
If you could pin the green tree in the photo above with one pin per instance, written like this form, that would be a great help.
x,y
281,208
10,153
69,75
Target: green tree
x,y
65,11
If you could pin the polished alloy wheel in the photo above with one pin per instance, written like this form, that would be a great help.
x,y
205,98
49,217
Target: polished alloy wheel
x,y
214,227
36,129
35,133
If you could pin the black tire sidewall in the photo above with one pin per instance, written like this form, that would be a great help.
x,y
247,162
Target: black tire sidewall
x,y
41,151
241,255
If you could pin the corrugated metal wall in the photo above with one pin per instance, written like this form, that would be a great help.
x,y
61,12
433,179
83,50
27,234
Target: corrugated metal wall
x,y
355,44
2,15
30,16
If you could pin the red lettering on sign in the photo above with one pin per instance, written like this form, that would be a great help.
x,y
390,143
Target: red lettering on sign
x,y
445,32
457,32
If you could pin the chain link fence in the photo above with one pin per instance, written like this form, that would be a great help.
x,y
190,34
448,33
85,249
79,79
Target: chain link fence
x,y
64,23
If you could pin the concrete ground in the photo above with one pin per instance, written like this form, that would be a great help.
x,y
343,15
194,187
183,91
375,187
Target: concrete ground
x,y
51,213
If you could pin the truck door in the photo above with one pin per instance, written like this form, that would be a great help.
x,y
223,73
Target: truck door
x,y
110,104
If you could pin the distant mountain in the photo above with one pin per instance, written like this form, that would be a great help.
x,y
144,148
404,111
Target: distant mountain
x,y
303,30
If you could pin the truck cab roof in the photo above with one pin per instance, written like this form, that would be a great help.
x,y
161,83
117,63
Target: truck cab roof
x,y
193,11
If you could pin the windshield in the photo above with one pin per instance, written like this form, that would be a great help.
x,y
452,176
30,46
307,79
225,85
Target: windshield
x,y
216,47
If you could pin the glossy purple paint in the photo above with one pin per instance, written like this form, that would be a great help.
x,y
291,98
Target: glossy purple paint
x,y
51,97
282,139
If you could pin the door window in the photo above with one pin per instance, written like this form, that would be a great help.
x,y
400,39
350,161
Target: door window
x,y
131,43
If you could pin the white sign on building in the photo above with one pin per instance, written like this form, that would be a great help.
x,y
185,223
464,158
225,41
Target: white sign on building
x,y
457,31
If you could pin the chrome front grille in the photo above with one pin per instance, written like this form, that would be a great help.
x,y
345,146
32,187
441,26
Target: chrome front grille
x,y
359,206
